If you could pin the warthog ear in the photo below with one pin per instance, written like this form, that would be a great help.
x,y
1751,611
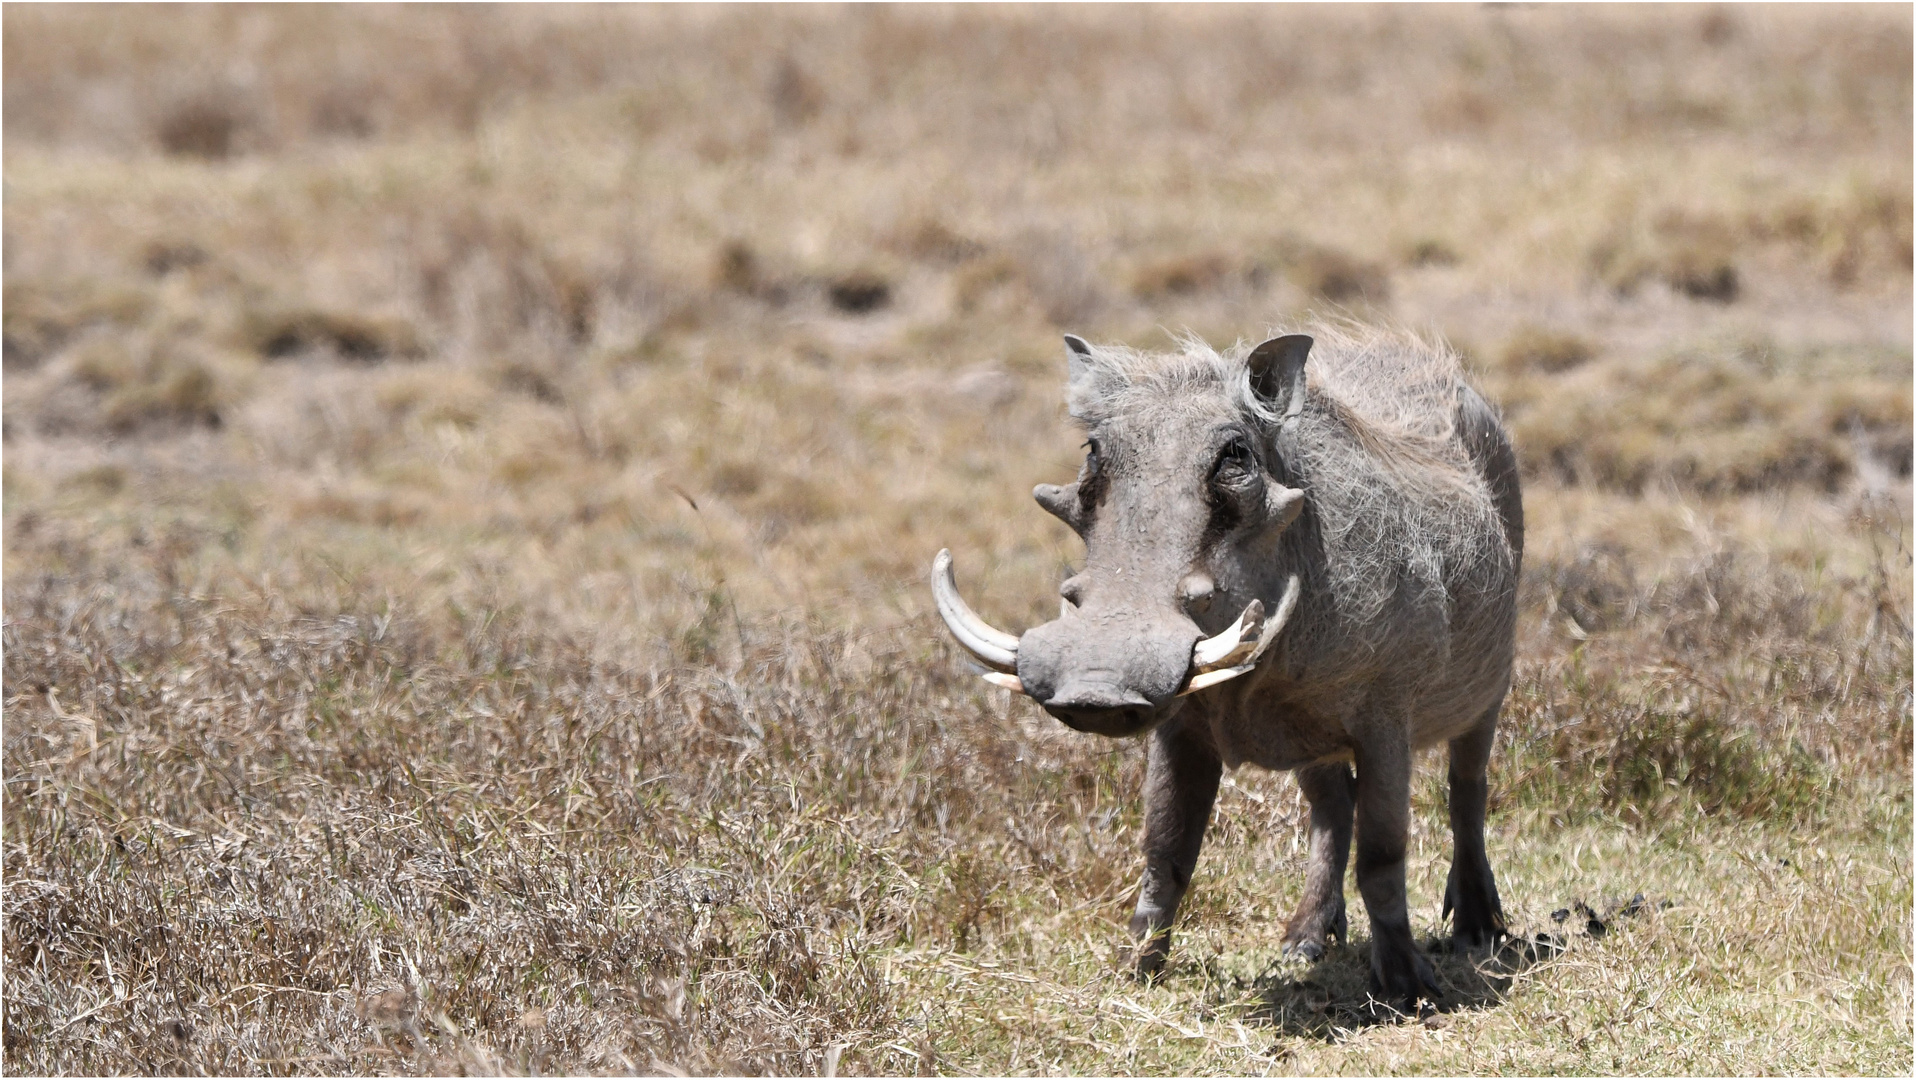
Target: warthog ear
x,y
1277,372
1086,384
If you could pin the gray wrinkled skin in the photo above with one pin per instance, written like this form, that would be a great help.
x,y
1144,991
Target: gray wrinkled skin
x,y
1390,489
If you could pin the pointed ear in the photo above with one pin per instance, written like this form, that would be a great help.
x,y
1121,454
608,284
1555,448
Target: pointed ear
x,y
1277,372
1083,390
1078,350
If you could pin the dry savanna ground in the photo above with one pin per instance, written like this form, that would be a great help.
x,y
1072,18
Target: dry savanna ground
x,y
470,476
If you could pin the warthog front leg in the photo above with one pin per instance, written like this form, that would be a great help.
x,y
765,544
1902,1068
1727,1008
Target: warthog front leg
x,y
1471,893
1180,783
1399,972
1331,790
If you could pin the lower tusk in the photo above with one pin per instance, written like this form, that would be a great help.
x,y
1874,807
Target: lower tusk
x,y
1212,678
1010,682
1272,627
1231,646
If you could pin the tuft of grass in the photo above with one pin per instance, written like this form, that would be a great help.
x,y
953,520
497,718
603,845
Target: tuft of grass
x,y
145,383
361,339
1693,256
1331,274
860,292
1431,252
209,124
42,316
1182,276
1534,348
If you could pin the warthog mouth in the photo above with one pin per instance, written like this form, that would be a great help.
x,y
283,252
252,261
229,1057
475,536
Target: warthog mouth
x,y
1099,705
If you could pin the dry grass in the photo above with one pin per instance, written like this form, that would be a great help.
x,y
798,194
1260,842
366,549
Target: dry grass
x,y
465,523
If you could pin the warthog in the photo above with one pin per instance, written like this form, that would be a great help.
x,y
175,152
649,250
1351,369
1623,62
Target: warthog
x,y
1300,568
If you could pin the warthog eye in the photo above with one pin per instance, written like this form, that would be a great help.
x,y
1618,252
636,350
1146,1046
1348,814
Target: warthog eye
x,y
1091,478
1232,476
1235,464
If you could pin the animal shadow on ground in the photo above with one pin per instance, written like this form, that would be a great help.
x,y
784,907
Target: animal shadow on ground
x,y
1331,998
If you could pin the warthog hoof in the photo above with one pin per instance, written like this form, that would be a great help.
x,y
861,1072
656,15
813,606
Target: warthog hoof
x,y
1400,975
1151,947
1312,950
1309,933
1479,945
1471,899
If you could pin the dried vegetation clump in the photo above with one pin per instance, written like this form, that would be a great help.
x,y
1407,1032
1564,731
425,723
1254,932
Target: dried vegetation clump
x,y
646,853
1700,688
1725,419
470,472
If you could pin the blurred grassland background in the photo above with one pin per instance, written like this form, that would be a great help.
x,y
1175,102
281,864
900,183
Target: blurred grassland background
x,y
470,475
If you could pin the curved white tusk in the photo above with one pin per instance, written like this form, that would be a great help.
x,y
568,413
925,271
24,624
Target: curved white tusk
x,y
1212,678
993,648
1285,605
1228,647
1010,682
1272,627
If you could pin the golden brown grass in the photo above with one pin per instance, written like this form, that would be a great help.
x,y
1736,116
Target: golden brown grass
x,y
469,476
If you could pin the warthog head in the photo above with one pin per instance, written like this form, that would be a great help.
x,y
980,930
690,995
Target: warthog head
x,y
1180,506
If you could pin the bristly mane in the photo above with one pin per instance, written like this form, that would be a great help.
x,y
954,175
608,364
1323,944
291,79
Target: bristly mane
x,y
1395,392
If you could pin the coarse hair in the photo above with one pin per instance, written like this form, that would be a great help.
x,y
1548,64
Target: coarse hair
x,y
1392,390
1403,542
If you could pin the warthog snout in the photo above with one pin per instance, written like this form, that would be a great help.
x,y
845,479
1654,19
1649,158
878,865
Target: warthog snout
x,y
1109,673
1107,676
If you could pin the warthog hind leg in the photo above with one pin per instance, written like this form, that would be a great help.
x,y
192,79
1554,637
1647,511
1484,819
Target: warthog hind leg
x,y
1400,974
1180,784
1330,790
1471,893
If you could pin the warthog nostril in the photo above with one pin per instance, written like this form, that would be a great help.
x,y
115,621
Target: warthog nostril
x,y
1095,697
1101,708
1108,722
